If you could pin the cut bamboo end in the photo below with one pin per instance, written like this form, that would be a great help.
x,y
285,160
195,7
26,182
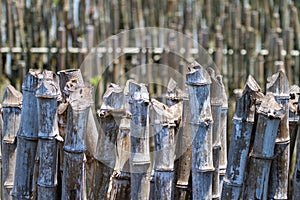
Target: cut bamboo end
x,y
81,98
197,75
48,87
278,85
30,82
270,108
11,97
174,94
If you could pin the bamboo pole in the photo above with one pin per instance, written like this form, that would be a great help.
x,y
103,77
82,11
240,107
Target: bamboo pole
x,y
278,85
27,139
198,82
11,111
269,115
243,122
296,176
1,136
164,154
47,93
216,109
106,151
73,180
293,118
137,97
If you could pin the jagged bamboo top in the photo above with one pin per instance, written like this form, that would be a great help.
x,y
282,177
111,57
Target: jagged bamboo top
x,y
216,90
30,82
245,105
81,98
12,97
48,87
70,78
173,92
294,97
224,95
136,92
278,84
113,100
163,113
197,75
270,108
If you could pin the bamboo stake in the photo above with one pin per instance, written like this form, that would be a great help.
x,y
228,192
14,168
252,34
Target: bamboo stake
x,y
278,85
109,119
1,136
243,122
296,177
73,180
47,94
138,99
164,154
198,82
11,110
269,115
27,139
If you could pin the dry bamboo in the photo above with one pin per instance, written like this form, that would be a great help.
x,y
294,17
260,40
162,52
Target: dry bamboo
x,y
296,176
269,115
198,82
278,85
11,111
1,133
106,151
47,94
216,109
164,154
293,118
240,140
223,134
73,180
137,97
27,139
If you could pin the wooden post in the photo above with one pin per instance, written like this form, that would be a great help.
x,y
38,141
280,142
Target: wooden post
x,y
110,117
47,94
73,180
11,110
269,115
137,97
243,121
27,139
164,152
278,85
198,82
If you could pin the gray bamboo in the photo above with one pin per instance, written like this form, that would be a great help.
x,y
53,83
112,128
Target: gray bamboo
x,y
216,109
11,111
243,120
106,151
293,118
296,176
73,186
278,85
1,134
47,93
137,97
164,152
198,82
223,134
269,115
27,139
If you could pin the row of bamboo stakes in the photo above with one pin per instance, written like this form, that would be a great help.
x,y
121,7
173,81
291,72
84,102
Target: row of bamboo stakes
x,y
244,37
144,148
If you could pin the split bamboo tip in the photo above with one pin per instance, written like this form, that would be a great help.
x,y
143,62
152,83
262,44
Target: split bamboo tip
x,y
173,92
294,98
216,90
197,75
48,87
136,91
278,84
12,97
81,98
31,80
163,113
270,107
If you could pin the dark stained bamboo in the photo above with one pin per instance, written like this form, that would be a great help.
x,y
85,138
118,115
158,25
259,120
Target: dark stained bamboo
x,y
106,151
198,82
27,139
138,100
73,180
278,85
293,118
164,152
47,93
243,121
269,115
11,111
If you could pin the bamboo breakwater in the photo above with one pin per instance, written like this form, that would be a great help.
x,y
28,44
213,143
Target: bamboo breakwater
x,y
146,148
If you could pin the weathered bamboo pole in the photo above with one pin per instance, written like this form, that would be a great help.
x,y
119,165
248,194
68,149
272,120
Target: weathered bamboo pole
x,y
1,134
269,115
106,148
223,134
138,100
216,109
11,111
243,121
296,176
278,85
47,93
27,139
198,82
164,152
73,180
293,118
